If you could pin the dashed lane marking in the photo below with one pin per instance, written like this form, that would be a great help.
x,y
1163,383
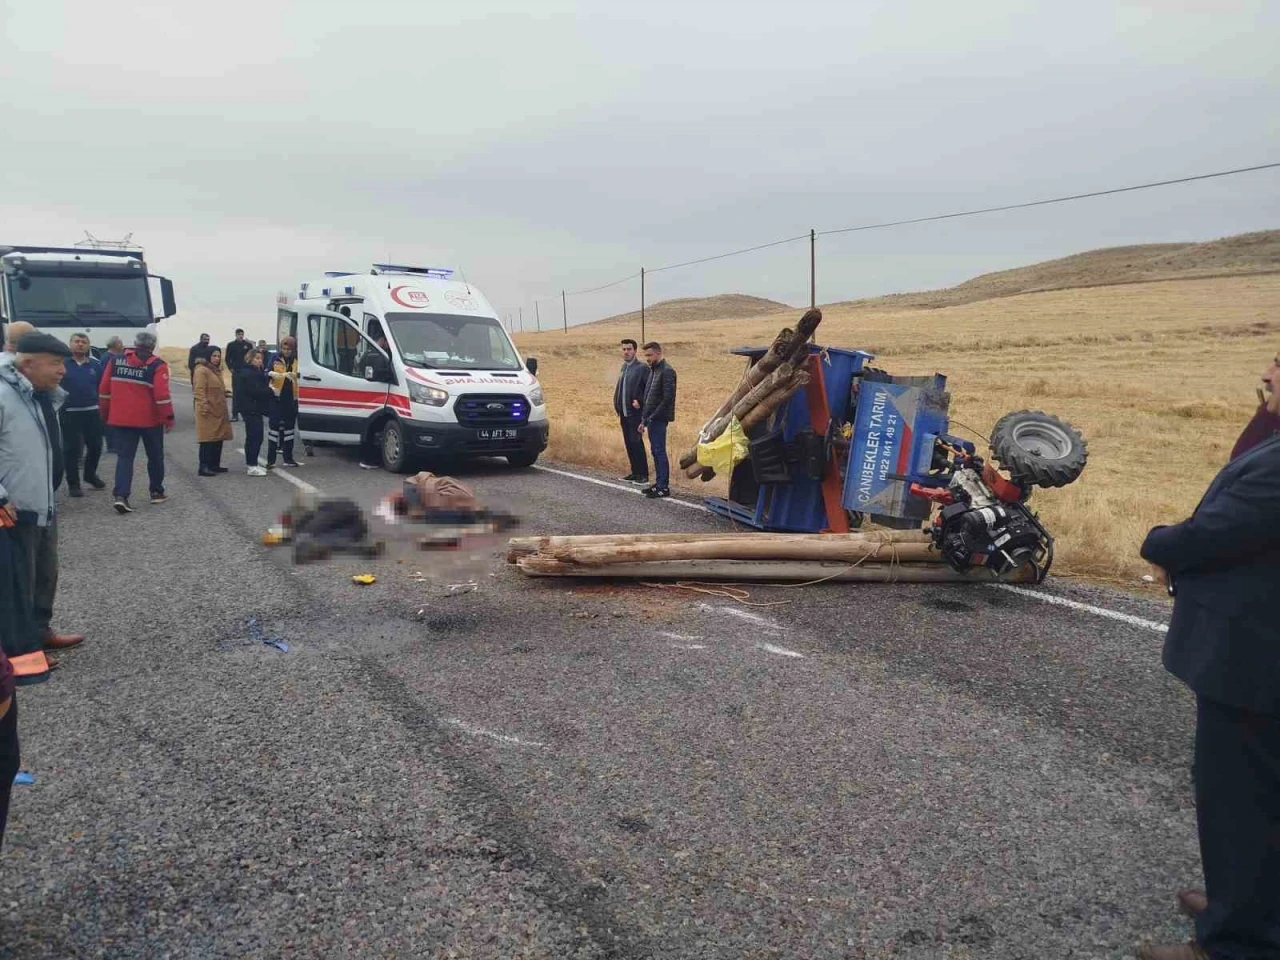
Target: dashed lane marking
x,y
502,738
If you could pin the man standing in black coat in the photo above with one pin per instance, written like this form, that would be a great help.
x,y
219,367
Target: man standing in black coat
x,y
233,357
628,400
1223,568
657,411
198,351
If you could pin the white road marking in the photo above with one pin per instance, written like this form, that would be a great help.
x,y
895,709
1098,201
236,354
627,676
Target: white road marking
x,y
490,735
617,486
1057,601
760,621
679,637
284,474
780,651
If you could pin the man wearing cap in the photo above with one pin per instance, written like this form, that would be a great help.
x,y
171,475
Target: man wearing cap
x,y
30,463
135,403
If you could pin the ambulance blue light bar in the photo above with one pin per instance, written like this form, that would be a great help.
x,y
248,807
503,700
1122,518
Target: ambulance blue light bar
x,y
440,273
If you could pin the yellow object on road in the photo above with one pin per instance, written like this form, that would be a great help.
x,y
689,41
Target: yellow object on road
x,y
726,451
364,578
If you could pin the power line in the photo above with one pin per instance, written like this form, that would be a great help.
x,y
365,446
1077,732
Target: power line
x,y
1041,203
733,253
930,219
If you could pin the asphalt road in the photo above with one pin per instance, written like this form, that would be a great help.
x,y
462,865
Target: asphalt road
x,y
534,769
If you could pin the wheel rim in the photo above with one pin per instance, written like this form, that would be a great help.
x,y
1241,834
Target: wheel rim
x,y
1045,440
391,445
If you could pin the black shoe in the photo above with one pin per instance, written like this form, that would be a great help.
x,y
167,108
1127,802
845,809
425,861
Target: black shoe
x,y
205,472
221,469
648,490
75,492
122,505
657,493
629,478
96,482
638,480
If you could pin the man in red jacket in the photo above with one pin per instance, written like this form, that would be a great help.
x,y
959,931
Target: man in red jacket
x,y
135,403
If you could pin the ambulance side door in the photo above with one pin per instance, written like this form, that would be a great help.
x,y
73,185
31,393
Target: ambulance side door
x,y
335,401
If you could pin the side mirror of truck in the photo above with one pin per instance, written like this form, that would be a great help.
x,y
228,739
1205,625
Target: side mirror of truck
x,y
377,369
531,363
166,298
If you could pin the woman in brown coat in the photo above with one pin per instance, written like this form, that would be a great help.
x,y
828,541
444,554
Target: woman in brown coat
x,y
213,423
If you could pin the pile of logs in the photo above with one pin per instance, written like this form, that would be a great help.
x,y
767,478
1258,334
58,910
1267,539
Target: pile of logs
x,y
893,556
768,384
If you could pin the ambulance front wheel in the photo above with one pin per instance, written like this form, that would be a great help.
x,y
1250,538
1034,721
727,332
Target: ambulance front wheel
x,y
522,460
395,453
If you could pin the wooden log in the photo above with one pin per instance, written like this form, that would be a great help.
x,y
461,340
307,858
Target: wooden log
x,y
746,549
769,404
746,571
527,546
786,344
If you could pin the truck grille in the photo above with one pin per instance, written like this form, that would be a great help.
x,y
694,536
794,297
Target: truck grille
x,y
491,409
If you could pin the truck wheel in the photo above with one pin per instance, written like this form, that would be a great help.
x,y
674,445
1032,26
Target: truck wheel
x,y
1037,449
395,455
522,460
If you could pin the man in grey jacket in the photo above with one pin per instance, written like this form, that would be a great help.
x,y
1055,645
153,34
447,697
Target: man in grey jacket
x,y
628,399
30,465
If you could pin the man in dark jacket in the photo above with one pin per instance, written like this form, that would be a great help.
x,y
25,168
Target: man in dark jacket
x,y
1223,567
80,421
628,401
656,412
233,359
198,351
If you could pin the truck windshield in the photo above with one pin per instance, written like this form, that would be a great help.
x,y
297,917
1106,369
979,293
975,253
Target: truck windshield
x,y
448,341
53,300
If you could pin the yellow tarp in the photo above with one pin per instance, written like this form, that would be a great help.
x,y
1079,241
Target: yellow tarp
x,y
726,451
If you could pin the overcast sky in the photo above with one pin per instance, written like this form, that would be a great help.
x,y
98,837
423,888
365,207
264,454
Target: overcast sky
x,y
547,144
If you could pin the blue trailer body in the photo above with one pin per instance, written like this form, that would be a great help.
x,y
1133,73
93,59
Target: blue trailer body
x,y
895,429
894,424
797,506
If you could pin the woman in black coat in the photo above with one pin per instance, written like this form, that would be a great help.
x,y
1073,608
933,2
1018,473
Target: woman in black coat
x,y
253,394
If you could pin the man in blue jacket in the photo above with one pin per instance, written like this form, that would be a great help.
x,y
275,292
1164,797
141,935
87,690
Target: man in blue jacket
x,y
81,422
1223,568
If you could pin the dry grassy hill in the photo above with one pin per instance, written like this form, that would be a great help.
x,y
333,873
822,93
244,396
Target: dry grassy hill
x,y
723,307
1159,375
1241,255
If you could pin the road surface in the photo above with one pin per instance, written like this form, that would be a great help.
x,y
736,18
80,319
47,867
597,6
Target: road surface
x,y
540,769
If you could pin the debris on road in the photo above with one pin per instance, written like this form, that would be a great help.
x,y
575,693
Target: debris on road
x,y
258,635
364,578
23,779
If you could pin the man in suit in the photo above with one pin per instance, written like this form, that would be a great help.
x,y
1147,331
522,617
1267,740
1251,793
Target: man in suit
x,y
628,401
1223,568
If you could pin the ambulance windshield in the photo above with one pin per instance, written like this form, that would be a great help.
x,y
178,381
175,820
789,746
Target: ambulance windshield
x,y
443,341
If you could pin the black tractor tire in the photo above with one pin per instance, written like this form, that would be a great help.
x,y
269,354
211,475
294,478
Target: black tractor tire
x,y
395,453
522,461
1037,449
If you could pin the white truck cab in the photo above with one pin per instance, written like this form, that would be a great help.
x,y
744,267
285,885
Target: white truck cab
x,y
415,362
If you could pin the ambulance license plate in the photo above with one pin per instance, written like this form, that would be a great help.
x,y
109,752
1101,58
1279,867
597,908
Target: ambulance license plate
x,y
506,434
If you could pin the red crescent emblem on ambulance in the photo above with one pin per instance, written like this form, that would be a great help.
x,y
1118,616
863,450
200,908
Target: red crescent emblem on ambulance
x,y
409,297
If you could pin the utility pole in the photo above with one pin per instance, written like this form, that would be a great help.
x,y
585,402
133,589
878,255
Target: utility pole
x,y
537,316
564,311
522,319
642,305
813,268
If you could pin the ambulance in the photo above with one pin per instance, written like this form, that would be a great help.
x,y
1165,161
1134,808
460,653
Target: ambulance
x,y
413,363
